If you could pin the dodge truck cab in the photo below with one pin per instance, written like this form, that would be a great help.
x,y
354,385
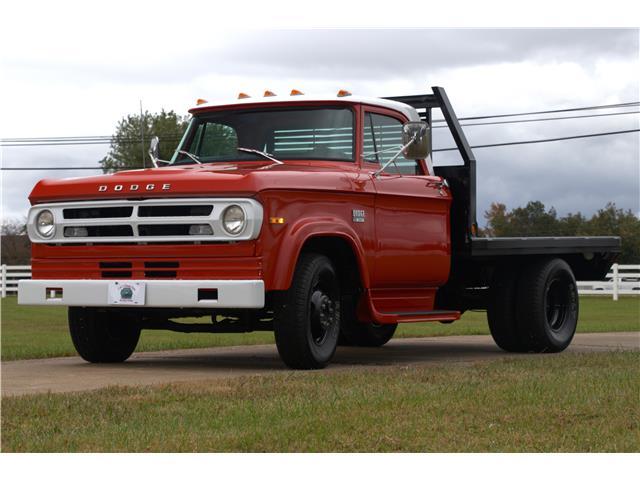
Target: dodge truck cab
x,y
322,219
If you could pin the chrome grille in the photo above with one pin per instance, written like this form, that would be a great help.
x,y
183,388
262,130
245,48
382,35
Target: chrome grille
x,y
141,221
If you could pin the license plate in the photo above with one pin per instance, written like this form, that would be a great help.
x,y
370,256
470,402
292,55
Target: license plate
x,y
126,293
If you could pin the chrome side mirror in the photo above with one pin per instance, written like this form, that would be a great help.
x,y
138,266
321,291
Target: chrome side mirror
x,y
154,150
417,137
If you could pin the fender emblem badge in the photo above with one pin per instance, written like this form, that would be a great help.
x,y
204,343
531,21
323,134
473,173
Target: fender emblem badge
x,y
358,216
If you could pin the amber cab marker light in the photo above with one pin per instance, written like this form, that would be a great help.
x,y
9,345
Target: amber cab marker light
x,y
344,93
295,92
242,96
276,220
269,93
200,101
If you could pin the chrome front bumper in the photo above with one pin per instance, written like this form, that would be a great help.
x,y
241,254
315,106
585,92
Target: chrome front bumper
x,y
153,293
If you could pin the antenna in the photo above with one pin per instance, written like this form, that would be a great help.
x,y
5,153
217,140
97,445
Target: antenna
x,y
142,135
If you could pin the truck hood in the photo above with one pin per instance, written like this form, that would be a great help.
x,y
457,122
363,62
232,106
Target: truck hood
x,y
246,179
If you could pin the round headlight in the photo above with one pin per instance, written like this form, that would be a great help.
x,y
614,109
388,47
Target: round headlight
x,y
44,224
233,220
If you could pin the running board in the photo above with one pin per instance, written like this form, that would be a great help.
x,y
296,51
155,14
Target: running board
x,y
367,310
413,317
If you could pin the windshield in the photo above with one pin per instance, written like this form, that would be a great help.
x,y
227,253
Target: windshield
x,y
294,133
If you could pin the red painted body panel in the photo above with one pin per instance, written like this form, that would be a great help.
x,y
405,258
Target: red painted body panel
x,y
402,248
306,218
212,261
247,179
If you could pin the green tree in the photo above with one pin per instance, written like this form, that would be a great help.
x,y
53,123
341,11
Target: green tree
x,y
573,225
535,220
532,220
615,221
126,150
497,220
15,248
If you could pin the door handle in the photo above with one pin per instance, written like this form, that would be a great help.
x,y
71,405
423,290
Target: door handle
x,y
440,184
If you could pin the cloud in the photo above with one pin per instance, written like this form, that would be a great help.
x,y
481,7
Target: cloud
x,y
67,87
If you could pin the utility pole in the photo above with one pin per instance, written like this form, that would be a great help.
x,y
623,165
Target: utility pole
x,y
142,135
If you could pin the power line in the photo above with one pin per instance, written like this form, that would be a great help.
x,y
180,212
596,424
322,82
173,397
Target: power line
x,y
100,140
58,168
106,139
541,119
542,140
575,109
70,138
39,143
524,142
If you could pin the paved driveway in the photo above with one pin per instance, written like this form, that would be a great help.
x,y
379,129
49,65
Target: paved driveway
x,y
70,374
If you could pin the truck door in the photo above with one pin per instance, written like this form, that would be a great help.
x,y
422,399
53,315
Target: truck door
x,y
411,221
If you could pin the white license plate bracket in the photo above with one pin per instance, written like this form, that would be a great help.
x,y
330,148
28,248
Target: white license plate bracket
x,y
123,292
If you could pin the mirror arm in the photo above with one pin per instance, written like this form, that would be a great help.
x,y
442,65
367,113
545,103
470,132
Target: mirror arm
x,y
153,159
377,173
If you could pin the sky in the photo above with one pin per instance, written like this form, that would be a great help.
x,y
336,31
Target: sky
x,y
71,78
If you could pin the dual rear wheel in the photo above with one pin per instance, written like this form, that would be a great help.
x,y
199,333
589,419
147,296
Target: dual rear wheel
x,y
534,309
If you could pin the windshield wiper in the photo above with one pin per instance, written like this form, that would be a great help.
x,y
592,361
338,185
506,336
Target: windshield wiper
x,y
191,156
266,155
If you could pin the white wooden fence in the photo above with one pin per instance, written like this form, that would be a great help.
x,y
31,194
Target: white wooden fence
x,y
621,280
10,276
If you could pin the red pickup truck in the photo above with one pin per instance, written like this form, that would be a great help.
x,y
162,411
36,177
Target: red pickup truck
x,y
321,219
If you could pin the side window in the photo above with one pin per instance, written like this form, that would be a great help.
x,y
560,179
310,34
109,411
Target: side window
x,y
214,139
382,138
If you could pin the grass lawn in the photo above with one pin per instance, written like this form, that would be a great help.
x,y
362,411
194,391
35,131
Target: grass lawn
x,y
551,403
38,332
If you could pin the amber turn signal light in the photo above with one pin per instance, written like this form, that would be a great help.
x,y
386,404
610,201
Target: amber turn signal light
x,y
200,101
242,96
269,93
344,93
296,92
276,220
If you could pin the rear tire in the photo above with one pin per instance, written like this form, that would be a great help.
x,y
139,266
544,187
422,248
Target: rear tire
x,y
98,338
354,333
547,306
502,312
307,320
357,334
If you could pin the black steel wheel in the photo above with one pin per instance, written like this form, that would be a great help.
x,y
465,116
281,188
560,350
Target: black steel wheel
x,y
103,336
547,306
307,321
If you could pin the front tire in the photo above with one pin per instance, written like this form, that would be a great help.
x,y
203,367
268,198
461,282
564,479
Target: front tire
x,y
307,320
98,338
547,306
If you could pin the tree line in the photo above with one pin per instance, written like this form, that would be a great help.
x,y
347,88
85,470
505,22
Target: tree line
x,y
535,220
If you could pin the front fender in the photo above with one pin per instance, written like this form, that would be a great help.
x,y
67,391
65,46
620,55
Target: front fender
x,y
282,263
